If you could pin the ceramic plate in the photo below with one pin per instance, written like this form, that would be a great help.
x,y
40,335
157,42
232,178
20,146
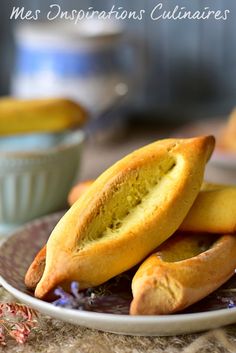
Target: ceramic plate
x,y
17,253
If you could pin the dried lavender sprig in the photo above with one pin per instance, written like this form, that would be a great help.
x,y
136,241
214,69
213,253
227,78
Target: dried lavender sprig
x,y
75,300
231,304
228,301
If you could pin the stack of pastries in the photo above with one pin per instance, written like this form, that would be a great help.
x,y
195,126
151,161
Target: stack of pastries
x,y
151,207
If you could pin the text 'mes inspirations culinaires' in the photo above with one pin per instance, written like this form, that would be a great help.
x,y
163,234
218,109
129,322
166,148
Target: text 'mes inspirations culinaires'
x,y
158,12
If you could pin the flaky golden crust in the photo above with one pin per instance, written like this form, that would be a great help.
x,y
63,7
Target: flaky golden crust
x,y
126,213
162,286
213,211
35,271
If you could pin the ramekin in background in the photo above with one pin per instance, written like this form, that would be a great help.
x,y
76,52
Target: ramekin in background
x,y
36,174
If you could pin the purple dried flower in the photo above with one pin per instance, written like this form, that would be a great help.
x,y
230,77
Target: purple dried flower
x,y
231,304
75,289
66,300
227,300
75,300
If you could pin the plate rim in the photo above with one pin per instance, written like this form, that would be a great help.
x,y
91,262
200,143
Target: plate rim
x,y
141,319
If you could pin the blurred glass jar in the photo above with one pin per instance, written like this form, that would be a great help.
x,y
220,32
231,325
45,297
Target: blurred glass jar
x,y
84,62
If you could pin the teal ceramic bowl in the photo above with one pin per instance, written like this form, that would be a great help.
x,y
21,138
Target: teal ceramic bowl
x,y
36,174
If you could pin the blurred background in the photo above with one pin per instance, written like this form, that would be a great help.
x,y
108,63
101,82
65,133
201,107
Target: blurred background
x,y
139,80
173,69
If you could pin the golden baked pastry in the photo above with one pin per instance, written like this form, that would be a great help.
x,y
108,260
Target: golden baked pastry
x,y
213,211
126,213
35,271
182,272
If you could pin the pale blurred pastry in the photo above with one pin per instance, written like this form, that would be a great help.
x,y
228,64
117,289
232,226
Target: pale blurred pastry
x,y
227,138
78,190
126,213
185,269
20,116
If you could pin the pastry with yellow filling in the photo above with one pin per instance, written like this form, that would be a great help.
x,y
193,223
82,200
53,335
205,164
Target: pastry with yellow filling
x,y
185,269
127,212
213,211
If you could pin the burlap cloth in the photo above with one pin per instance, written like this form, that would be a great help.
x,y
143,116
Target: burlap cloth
x,y
53,336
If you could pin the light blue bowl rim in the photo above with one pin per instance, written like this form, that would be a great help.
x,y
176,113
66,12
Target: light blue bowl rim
x,y
69,140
